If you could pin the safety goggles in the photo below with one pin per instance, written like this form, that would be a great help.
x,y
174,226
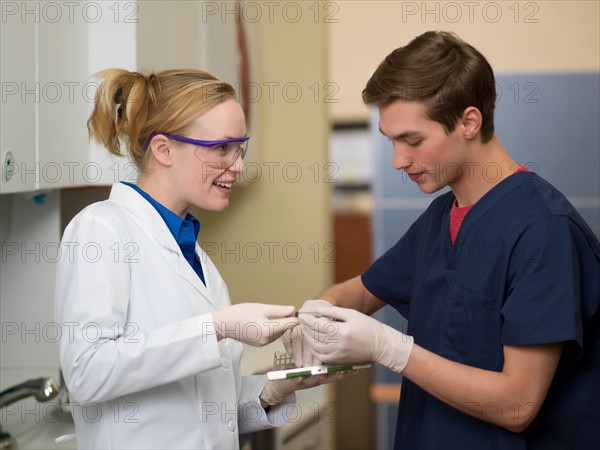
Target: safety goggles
x,y
224,150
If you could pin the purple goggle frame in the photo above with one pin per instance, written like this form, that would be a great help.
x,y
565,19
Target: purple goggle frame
x,y
200,143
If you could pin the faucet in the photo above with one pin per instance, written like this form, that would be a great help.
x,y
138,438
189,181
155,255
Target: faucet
x,y
43,389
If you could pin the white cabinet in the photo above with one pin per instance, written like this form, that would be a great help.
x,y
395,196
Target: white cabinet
x,y
19,104
62,53
50,50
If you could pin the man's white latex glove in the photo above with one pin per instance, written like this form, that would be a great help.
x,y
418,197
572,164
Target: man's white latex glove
x,y
255,324
340,335
275,391
292,339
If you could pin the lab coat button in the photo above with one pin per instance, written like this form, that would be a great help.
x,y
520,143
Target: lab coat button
x,y
231,425
225,363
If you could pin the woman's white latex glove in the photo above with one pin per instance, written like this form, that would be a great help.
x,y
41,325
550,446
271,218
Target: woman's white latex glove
x,y
342,335
293,341
255,324
275,391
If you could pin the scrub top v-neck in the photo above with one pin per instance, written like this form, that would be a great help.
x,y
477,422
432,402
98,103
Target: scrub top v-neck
x,y
512,277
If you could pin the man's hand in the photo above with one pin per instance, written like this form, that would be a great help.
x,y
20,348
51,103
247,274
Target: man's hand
x,y
293,341
338,335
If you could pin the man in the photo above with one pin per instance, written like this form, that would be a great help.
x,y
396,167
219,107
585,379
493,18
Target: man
x,y
499,280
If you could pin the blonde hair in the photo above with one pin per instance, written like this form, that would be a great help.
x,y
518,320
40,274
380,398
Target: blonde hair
x,y
129,106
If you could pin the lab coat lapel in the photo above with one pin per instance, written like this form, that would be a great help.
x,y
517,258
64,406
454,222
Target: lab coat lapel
x,y
153,224
145,214
190,275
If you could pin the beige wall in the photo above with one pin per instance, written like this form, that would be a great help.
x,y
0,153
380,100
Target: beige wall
x,y
285,207
525,36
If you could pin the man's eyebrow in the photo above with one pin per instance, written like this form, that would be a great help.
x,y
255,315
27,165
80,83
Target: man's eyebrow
x,y
402,136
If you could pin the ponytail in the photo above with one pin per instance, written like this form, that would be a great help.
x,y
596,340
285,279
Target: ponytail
x,y
122,107
131,105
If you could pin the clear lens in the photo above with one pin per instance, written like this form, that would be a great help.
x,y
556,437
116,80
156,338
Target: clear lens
x,y
225,153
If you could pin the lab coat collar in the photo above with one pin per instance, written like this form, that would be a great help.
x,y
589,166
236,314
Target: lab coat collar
x,y
151,222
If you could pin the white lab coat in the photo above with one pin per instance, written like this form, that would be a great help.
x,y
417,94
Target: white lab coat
x,y
138,350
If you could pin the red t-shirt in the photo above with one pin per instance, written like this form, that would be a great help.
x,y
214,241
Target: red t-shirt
x,y
458,213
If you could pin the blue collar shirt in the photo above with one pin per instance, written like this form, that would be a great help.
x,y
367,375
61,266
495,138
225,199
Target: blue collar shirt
x,y
185,231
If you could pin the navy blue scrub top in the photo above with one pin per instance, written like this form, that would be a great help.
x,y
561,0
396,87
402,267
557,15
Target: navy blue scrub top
x,y
185,231
525,269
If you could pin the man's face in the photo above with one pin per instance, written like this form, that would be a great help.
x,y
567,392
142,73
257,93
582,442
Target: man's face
x,y
430,157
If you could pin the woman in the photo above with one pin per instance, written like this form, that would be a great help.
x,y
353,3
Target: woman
x,y
151,357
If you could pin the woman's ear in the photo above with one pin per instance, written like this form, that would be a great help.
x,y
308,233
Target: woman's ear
x,y
471,121
160,147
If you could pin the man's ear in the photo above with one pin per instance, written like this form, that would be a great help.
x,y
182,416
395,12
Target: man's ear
x,y
160,147
471,122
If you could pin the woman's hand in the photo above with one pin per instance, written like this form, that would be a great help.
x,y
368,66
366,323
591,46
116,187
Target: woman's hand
x,y
275,391
255,324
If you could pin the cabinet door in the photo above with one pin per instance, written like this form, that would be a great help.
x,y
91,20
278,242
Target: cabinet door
x,y
112,44
63,109
98,36
20,99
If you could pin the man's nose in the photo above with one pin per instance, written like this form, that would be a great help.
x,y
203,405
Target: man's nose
x,y
400,159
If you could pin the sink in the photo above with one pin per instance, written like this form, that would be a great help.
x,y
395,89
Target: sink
x,y
32,425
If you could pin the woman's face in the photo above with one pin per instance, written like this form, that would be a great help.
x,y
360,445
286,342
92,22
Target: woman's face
x,y
205,176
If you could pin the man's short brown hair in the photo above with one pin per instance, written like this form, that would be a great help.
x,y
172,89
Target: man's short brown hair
x,y
442,71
